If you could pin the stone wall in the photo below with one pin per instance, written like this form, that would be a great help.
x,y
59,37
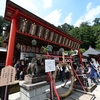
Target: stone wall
x,y
33,91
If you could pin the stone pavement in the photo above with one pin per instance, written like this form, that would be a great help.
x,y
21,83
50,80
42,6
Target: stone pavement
x,y
96,92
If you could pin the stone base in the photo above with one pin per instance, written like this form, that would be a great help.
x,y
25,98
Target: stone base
x,y
33,91
30,79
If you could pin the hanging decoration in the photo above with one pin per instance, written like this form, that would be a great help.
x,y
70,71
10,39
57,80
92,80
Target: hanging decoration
x,y
47,48
34,42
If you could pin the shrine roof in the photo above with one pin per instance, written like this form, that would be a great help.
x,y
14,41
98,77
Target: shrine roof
x,y
91,51
11,8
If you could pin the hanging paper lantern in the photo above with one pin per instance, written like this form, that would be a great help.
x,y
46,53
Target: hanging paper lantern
x,y
49,48
61,50
34,42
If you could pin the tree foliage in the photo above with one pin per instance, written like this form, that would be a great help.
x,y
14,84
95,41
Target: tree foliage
x,y
88,34
65,27
3,23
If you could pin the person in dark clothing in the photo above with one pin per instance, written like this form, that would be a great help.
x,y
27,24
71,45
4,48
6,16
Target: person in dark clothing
x,y
17,66
61,72
67,73
91,73
21,69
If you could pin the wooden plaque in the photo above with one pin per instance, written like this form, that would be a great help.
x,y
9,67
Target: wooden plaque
x,y
23,25
46,34
32,29
63,40
66,42
40,31
51,36
69,43
56,37
78,46
60,38
72,44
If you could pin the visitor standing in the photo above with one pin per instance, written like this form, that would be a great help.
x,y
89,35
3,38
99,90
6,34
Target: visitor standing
x,y
17,66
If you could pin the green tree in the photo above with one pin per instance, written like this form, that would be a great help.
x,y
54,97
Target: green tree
x,y
75,32
98,43
65,27
88,34
96,21
84,24
87,37
3,22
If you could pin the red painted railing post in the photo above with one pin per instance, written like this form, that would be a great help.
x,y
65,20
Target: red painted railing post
x,y
80,56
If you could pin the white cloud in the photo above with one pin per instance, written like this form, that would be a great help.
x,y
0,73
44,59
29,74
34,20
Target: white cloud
x,y
88,6
47,3
68,19
89,16
54,17
27,4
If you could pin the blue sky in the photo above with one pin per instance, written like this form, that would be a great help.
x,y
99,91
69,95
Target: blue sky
x,y
58,12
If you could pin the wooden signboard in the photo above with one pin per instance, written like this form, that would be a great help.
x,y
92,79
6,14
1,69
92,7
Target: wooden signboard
x,y
66,42
56,37
46,34
60,38
69,43
23,25
51,36
7,75
32,29
63,40
72,44
40,31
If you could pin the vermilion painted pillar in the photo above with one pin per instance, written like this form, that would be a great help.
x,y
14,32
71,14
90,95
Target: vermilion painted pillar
x,y
10,51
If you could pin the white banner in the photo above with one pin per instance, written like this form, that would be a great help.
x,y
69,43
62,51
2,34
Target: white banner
x,y
49,65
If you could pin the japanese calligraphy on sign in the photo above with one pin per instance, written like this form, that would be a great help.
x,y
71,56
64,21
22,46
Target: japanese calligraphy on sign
x,y
49,65
7,75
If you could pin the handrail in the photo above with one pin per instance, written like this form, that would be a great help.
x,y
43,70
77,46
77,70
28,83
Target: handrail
x,y
53,85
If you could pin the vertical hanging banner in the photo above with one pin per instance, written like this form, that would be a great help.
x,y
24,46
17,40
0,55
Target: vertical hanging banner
x,y
49,65
7,75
